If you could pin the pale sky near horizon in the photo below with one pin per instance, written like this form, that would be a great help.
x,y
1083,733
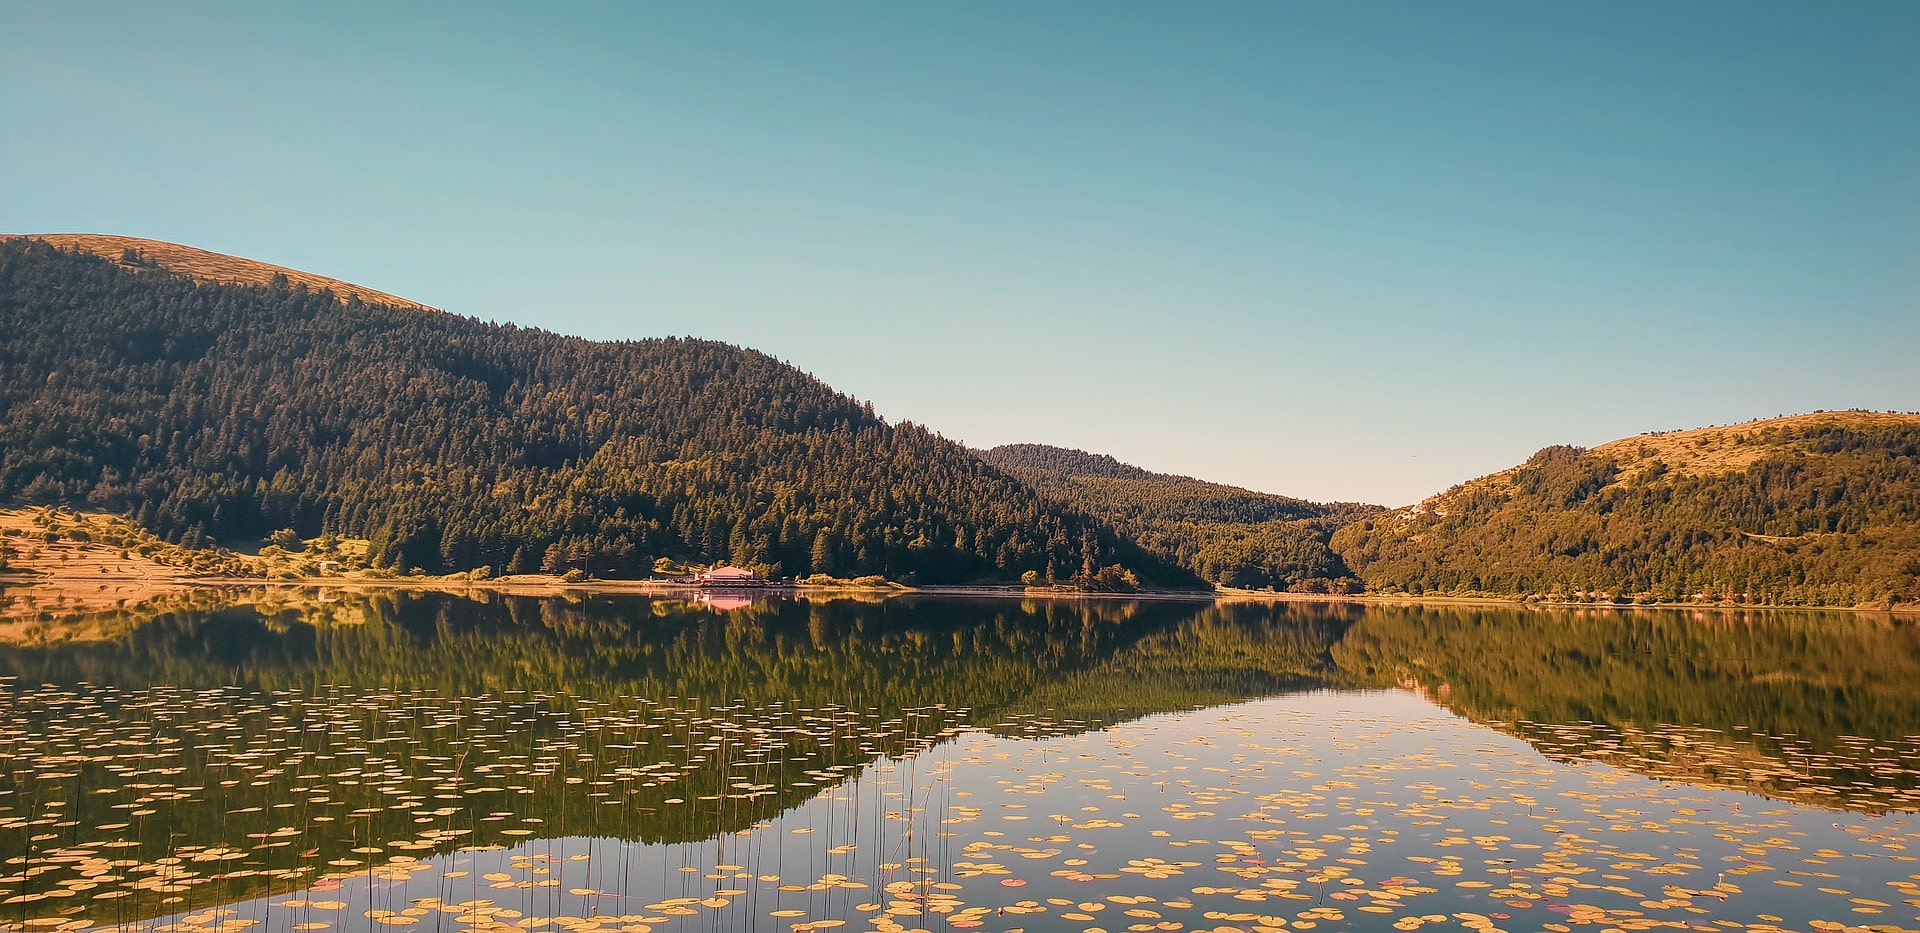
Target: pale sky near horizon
x,y
1339,251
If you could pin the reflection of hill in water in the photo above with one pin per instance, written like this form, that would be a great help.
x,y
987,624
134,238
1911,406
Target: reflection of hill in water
x,y
1780,682
1818,707
1868,776
894,654
1222,654
425,723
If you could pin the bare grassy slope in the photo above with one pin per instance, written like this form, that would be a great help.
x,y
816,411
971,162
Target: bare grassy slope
x,y
1733,448
209,266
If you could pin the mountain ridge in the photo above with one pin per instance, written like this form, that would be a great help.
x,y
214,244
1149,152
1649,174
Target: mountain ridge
x,y
1074,462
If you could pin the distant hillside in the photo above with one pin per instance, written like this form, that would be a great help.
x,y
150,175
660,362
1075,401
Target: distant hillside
x,y
1227,535
212,412
137,254
1820,509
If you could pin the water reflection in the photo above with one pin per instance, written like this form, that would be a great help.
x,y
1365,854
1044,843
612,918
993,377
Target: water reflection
x,y
410,756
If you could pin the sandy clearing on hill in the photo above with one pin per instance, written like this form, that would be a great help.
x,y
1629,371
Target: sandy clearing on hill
x,y
211,266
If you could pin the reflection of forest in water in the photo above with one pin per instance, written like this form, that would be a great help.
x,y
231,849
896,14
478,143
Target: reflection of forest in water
x,y
282,735
1821,707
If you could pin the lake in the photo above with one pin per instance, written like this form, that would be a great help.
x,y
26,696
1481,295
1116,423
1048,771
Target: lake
x,y
277,762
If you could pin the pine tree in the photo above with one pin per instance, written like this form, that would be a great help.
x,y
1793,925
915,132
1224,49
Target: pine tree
x,y
822,555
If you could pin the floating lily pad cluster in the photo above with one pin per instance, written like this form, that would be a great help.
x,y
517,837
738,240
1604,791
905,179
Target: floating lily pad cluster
x,y
120,804
1871,775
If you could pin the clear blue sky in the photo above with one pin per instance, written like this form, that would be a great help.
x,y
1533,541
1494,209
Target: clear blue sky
x,y
1335,250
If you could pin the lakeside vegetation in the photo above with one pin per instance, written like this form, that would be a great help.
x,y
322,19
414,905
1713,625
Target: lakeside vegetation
x,y
52,540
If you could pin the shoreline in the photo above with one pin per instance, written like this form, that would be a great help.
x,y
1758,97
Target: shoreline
x,y
526,585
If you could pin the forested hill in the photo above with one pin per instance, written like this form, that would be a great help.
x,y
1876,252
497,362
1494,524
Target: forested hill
x,y
1227,535
1820,509
219,411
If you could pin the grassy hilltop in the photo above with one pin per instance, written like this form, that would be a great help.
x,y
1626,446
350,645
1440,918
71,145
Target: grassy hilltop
x,y
135,253
1818,509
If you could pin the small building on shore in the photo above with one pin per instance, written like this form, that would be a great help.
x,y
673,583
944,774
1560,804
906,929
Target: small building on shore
x,y
729,576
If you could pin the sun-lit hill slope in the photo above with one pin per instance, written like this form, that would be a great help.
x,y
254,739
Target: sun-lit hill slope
x,y
137,253
213,412
1817,509
1735,447
1227,535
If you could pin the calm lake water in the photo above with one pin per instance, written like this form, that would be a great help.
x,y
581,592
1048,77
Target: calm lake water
x,y
630,764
